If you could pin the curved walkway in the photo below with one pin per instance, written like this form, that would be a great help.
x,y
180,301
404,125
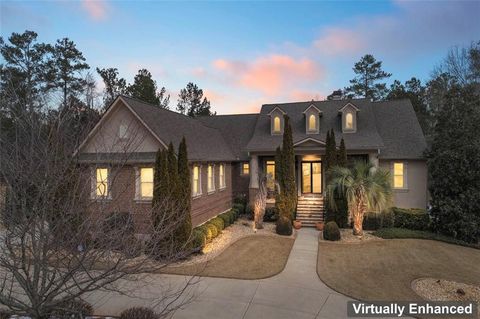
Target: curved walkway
x,y
297,292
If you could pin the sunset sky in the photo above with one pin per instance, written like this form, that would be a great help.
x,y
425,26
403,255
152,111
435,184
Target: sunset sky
x,y
244,54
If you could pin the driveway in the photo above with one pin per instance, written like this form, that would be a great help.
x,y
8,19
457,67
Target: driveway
x,y
297,292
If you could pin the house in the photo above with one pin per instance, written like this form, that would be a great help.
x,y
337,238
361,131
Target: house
x,y
227,152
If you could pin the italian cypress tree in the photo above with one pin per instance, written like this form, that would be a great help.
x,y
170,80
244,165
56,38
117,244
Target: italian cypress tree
x,y
172,167
182,234
288,167
160,187
279,177
342,154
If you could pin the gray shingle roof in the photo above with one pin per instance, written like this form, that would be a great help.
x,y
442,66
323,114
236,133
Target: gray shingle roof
x,y
236,129
204,143
366,136
401,133
390,126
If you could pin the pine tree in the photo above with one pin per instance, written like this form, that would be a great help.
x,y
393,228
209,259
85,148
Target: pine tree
x,y
192,102
114,85
184,230
288,167
144,87
342,154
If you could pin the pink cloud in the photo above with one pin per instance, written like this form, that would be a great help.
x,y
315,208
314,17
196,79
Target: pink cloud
x,y
96,9
271,74
302,95
339,41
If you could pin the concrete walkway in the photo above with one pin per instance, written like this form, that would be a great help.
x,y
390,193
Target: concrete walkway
x,y
297,292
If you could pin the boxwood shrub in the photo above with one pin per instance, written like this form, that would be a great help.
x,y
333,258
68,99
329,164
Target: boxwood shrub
x,y
415,219
331,231
239,207
226,219
374,221
218,222
284,226
213,230
199,239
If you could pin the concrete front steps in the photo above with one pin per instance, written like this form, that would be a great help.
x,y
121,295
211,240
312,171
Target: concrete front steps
x,y
310,210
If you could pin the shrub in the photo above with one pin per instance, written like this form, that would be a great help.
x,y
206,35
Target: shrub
x,y
226,219
213,230
240,199
331,232
284,226
235,213
340,216
218,222
416,219
271,214
199,239
374,221
240,208
249,211
138,313
74,309
231,216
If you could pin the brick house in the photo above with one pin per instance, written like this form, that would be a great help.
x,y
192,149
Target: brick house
x,y
227,152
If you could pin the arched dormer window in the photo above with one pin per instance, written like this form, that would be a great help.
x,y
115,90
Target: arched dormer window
x,y
349,121
312,123
349,118
276,121
312,118
276,125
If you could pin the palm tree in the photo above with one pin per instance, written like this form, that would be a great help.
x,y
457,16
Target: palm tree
x,y
365,188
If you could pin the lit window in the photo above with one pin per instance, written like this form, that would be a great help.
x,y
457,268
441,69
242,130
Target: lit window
x,y
270,168
210,179
312,123
122,131
398,175
196,186
101,182
349,121
221,176
146,182
276,124
245,168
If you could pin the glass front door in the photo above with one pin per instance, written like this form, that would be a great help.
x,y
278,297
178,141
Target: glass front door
x,y
311,177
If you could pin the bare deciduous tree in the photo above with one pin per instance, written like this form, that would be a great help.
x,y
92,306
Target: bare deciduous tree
x,y
60,241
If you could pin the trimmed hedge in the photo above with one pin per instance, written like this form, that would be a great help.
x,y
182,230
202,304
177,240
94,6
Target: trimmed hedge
x,y
226,219
240,208
218,222
284,226
331,232
199,239
213,229
138,313
374,221
415,219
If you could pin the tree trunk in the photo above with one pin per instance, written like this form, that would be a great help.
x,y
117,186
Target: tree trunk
x,y
358,224
260,203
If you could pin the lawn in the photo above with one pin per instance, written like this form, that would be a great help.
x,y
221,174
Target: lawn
x,y
384,270
252,257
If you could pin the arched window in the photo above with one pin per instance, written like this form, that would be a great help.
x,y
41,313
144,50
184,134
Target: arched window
x,y
349,121
276,124
312,123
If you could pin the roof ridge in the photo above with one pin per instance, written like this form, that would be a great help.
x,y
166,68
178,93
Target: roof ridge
x,y
315,101
219,115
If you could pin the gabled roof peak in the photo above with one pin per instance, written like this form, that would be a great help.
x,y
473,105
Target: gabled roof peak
x,y
349,104
312,105
277,108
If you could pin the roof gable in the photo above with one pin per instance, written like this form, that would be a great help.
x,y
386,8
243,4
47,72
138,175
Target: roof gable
x,y
349,105
312,106
277,108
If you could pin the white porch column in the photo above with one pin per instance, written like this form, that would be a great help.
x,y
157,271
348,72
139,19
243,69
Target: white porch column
x,y
373,158
253,171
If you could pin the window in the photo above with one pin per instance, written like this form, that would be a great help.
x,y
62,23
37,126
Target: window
x,y
245,169
349,121
276,124
196,182
210,179
123,131
398,175
270,168
312,123
146,182
101,175
221,176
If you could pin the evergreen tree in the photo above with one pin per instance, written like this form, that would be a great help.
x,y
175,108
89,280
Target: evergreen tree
x,y
160,187
185,229
144,88
333,150
279,177
172,167
366,82
114,85
342,154
288,167
66,70
328,142
192,103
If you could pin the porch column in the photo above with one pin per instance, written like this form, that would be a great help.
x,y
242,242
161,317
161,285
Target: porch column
x,y
253,187
373,158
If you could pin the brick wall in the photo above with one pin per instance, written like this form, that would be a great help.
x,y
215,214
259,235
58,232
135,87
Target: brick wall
x,y
240,182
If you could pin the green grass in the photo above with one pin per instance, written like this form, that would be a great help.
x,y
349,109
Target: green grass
x,y
390,233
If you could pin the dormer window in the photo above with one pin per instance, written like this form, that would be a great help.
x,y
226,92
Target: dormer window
x,y
277,125
276,119
312,117
349,118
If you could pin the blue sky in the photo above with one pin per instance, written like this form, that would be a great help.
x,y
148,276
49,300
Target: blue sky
x,y
246,53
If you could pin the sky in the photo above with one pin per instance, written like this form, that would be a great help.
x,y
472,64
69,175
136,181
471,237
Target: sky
x,y
245,54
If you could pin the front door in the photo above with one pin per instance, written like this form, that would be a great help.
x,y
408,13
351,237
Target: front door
x,y
311,177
